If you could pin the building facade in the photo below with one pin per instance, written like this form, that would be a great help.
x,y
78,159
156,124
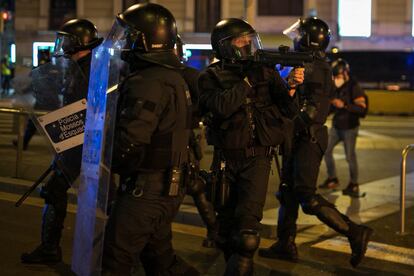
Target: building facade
x,y
391,20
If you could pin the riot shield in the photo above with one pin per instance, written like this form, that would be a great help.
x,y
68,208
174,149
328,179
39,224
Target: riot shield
x,y
95,178
59,90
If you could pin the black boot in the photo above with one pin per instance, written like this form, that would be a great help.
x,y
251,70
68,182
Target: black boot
x,y
239,266
359,243
358,235
282,249
329,183
43,254
240,263
212,236
49,250
352,190
285,247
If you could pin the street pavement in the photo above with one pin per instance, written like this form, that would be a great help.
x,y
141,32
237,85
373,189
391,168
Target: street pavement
x,y
322,252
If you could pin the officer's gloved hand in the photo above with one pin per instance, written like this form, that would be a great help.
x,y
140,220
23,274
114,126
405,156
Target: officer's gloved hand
x,y
296,77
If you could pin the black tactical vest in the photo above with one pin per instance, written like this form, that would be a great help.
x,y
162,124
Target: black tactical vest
x,y
169,142
258,122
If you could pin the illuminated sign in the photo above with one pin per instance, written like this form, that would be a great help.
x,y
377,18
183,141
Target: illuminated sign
x,y
354,18
41,46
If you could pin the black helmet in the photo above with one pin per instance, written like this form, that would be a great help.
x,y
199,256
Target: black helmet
x,y
310,34
226,31
340,66
150,28
76,35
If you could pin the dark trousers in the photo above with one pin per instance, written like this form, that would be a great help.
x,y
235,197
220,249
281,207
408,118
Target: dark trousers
x,y
140,227
299,178
55,194
6,79
348,137
28,133
248,179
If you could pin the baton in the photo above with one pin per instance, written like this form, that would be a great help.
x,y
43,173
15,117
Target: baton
x,y
33,187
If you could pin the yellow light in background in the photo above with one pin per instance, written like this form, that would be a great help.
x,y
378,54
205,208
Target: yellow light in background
x,y
335,50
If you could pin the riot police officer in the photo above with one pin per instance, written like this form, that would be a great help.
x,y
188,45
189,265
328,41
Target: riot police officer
x,y
300,171
75,40
196,181
150,149
244,100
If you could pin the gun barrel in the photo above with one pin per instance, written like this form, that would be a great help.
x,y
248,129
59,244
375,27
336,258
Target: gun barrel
x,y
293,59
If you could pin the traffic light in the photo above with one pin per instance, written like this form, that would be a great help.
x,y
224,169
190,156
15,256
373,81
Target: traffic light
x,y
4,16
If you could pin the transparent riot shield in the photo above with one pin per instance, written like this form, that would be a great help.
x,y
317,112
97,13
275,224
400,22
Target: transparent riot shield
x,y
59,89
95,178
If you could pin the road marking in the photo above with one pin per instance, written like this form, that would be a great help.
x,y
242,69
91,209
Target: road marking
x,y
31,201
373,135
376,250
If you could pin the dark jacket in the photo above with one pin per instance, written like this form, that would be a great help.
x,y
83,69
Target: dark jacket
x,y
348,117
313,99
78,88
190,76
316,89
153,121
244,116
71,160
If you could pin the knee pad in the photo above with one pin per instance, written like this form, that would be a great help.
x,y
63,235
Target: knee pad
x,y
312,205
247,242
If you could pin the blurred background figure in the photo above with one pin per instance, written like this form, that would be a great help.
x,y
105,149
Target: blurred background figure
x,y
30,129
349,104
6,75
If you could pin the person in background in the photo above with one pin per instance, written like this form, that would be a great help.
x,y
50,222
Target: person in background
x,y
349,104
6,75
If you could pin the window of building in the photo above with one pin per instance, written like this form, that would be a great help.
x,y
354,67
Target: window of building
x,y
280,7
60,12
354,18
207,14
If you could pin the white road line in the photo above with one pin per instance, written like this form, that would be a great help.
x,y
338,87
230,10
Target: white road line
x,y
370,134
376,250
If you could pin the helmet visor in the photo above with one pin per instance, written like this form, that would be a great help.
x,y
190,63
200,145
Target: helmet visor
x,y
129,37
293,31
240,47
65,44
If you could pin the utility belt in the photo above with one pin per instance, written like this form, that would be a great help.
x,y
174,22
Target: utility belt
x,y
234,154
167,183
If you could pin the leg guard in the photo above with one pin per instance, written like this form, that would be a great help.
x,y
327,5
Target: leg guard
x,y
328,214
288,213
246,243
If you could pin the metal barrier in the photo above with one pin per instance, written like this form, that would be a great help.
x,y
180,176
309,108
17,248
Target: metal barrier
x,y
22,114
404,154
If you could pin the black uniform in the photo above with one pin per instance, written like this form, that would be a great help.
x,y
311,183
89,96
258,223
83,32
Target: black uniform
x,y
300,171
301,168
246,124
66,169
75,36
196,187
151,133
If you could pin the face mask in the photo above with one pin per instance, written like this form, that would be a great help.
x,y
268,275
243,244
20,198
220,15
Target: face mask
x,y
339,82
